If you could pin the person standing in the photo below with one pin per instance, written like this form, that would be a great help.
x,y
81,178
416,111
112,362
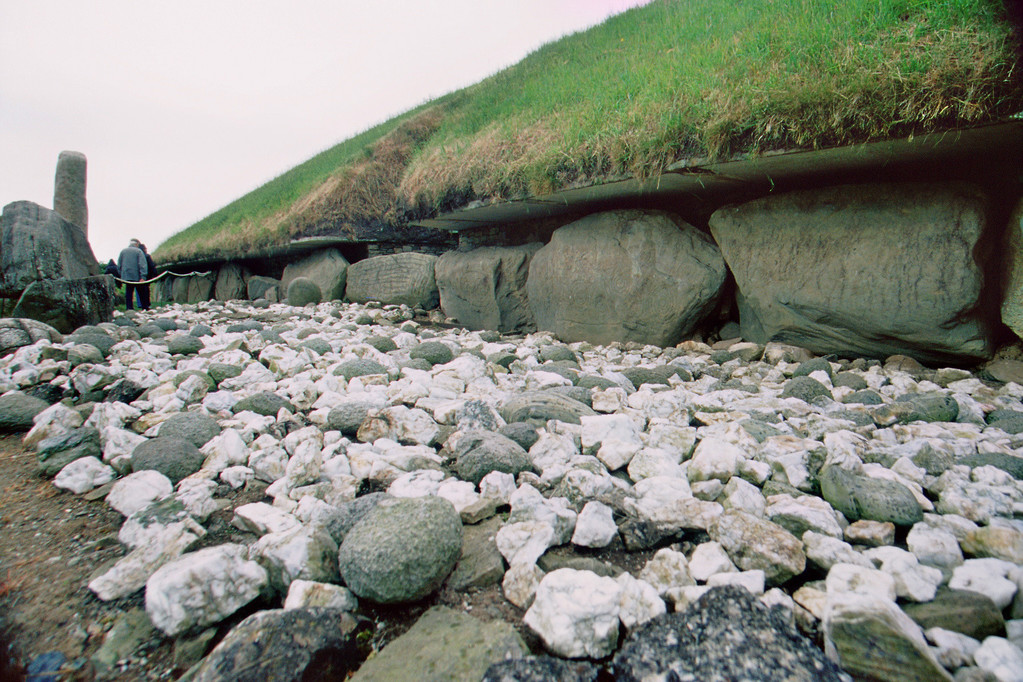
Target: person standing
x,y
143,289
133,267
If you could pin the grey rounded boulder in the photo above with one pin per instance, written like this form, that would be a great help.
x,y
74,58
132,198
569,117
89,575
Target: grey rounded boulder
x,y
173,457
265,403
17,410
480,452
402,550
184,344
862,497
195,427
303,291
434,352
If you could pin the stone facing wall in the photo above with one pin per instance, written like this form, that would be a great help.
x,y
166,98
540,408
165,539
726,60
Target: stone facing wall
x,y
870,270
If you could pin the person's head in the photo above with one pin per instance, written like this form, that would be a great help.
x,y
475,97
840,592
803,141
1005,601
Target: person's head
x,y
143,247
134,242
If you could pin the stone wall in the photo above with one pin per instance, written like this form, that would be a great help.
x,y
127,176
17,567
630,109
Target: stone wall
x,y
865,269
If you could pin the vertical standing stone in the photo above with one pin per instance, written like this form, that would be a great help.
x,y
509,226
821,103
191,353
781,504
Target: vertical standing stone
x,y
69,190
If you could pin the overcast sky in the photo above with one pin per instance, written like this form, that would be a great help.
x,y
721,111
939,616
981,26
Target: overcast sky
x,y
182,107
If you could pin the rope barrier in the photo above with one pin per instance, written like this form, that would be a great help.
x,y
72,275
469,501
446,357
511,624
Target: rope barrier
x,y
162,275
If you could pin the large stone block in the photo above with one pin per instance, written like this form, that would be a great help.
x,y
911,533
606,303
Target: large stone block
x,y
231,283
327,268
871,270
625,276
1012,304
38,244
69,190
66,304
486,288
395,278
192,289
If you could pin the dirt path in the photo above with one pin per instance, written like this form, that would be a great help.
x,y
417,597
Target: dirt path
x,y
50,543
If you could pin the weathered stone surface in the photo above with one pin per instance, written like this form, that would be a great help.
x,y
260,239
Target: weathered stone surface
x,y
57,452
15,333
328,269
480,563
303,291
17,410
402,550
257,286
872,638
870,270
443,645
862,497
395,278
486,288
287,645
230,284
624,276
480,452
727,634
173,457
434,352
179,595
69,189
756,544
193,289
542,669
67,304
38,244
970,613
1012,303
265,403
576,613
537,407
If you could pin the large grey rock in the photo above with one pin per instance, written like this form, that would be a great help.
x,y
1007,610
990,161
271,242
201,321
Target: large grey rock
x,y
402,550
348,417
327,268
481,563
258,286
868,270
173,457
875,499
727,634
15,333
625,276
69,189
38,244
230,284
873,639
444,645
536,407
17,410
53,454
193,289
395,278
303,291
486,288
1012,301
971,613
291,644
480,452
195,427
264,403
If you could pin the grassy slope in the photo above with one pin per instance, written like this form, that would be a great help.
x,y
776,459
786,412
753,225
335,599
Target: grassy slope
x,y
673,80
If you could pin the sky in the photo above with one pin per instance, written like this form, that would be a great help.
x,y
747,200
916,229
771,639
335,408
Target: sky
x,y
182,107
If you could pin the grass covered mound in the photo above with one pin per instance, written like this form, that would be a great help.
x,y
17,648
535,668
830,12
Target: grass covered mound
x,y
670,81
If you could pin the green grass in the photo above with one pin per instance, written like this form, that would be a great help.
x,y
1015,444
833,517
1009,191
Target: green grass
x,y
673,80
